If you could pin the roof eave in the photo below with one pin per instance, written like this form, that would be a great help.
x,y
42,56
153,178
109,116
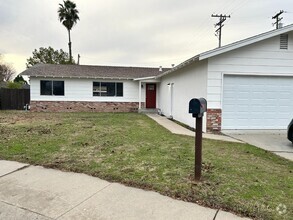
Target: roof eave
x,y
144,78
81,77
181,65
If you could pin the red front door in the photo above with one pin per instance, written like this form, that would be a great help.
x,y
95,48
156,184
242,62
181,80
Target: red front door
x,y
150,95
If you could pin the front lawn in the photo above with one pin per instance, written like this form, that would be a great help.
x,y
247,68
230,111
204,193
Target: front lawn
x,y
133,149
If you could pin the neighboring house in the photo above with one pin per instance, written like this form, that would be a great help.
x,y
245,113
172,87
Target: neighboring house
x,y
248,85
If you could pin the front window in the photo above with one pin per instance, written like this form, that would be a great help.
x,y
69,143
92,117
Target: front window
x,y
107,89
49,87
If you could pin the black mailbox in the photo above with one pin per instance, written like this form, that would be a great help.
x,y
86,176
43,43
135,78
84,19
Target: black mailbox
x,y
197,107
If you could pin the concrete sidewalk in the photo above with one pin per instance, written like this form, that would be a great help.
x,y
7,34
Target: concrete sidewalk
x,y
33,192
178,129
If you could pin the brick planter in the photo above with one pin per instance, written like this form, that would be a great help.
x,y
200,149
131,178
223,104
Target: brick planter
x,y
67,106
214,120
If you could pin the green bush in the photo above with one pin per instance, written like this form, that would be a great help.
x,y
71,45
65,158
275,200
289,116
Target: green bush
x,y
14,85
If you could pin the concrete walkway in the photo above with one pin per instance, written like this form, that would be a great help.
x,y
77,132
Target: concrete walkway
x,y
33,192
178,129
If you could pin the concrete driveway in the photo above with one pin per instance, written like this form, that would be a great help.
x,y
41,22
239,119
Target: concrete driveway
x,y
271,140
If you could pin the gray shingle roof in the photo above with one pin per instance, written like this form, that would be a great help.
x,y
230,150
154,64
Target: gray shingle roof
x,y
86,71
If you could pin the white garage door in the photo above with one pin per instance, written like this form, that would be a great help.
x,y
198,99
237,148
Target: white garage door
x,y
257,102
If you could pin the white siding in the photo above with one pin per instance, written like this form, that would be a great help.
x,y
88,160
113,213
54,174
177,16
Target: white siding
x,y
262,58
189,82
82,90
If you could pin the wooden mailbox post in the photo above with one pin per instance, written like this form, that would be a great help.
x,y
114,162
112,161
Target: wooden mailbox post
x,y
197,107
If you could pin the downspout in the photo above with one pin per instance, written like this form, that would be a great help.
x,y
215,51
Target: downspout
x,y
139,95
171,100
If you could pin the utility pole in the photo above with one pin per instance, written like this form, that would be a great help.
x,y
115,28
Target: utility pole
x,y
78,57
220,25
277,23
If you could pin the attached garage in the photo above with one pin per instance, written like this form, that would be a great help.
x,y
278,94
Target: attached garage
x,y
248,84
257,102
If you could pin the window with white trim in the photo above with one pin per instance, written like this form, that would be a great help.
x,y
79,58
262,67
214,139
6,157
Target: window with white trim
x,y
50,87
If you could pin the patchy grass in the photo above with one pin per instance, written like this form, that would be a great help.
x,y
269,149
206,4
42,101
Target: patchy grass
x,y
134,150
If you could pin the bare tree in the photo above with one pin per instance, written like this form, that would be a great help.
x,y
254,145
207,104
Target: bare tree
x,y
6,72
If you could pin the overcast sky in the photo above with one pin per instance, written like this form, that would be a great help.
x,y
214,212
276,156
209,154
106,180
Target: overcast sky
x,y
132,32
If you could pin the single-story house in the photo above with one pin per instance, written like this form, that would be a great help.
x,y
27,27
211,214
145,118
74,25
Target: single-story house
x,y
248,85
62,88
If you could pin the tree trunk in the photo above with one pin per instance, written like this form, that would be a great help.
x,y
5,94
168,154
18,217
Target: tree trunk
x,y
69,45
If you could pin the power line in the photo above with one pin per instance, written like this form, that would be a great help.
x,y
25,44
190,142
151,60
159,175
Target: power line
x,y
237,6
220,25
230,6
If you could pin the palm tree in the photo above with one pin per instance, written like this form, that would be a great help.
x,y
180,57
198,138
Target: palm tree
x,y
68,16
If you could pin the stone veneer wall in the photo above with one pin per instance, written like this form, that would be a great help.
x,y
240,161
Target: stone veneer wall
x,y
68,106
214,120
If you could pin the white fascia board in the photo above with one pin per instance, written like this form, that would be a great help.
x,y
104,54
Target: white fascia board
x,y
151,81
245,42
144,78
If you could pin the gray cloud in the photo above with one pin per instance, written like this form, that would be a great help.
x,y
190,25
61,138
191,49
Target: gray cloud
x,y
131,32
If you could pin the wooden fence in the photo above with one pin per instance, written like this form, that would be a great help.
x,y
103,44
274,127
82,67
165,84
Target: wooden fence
x,y
14,99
